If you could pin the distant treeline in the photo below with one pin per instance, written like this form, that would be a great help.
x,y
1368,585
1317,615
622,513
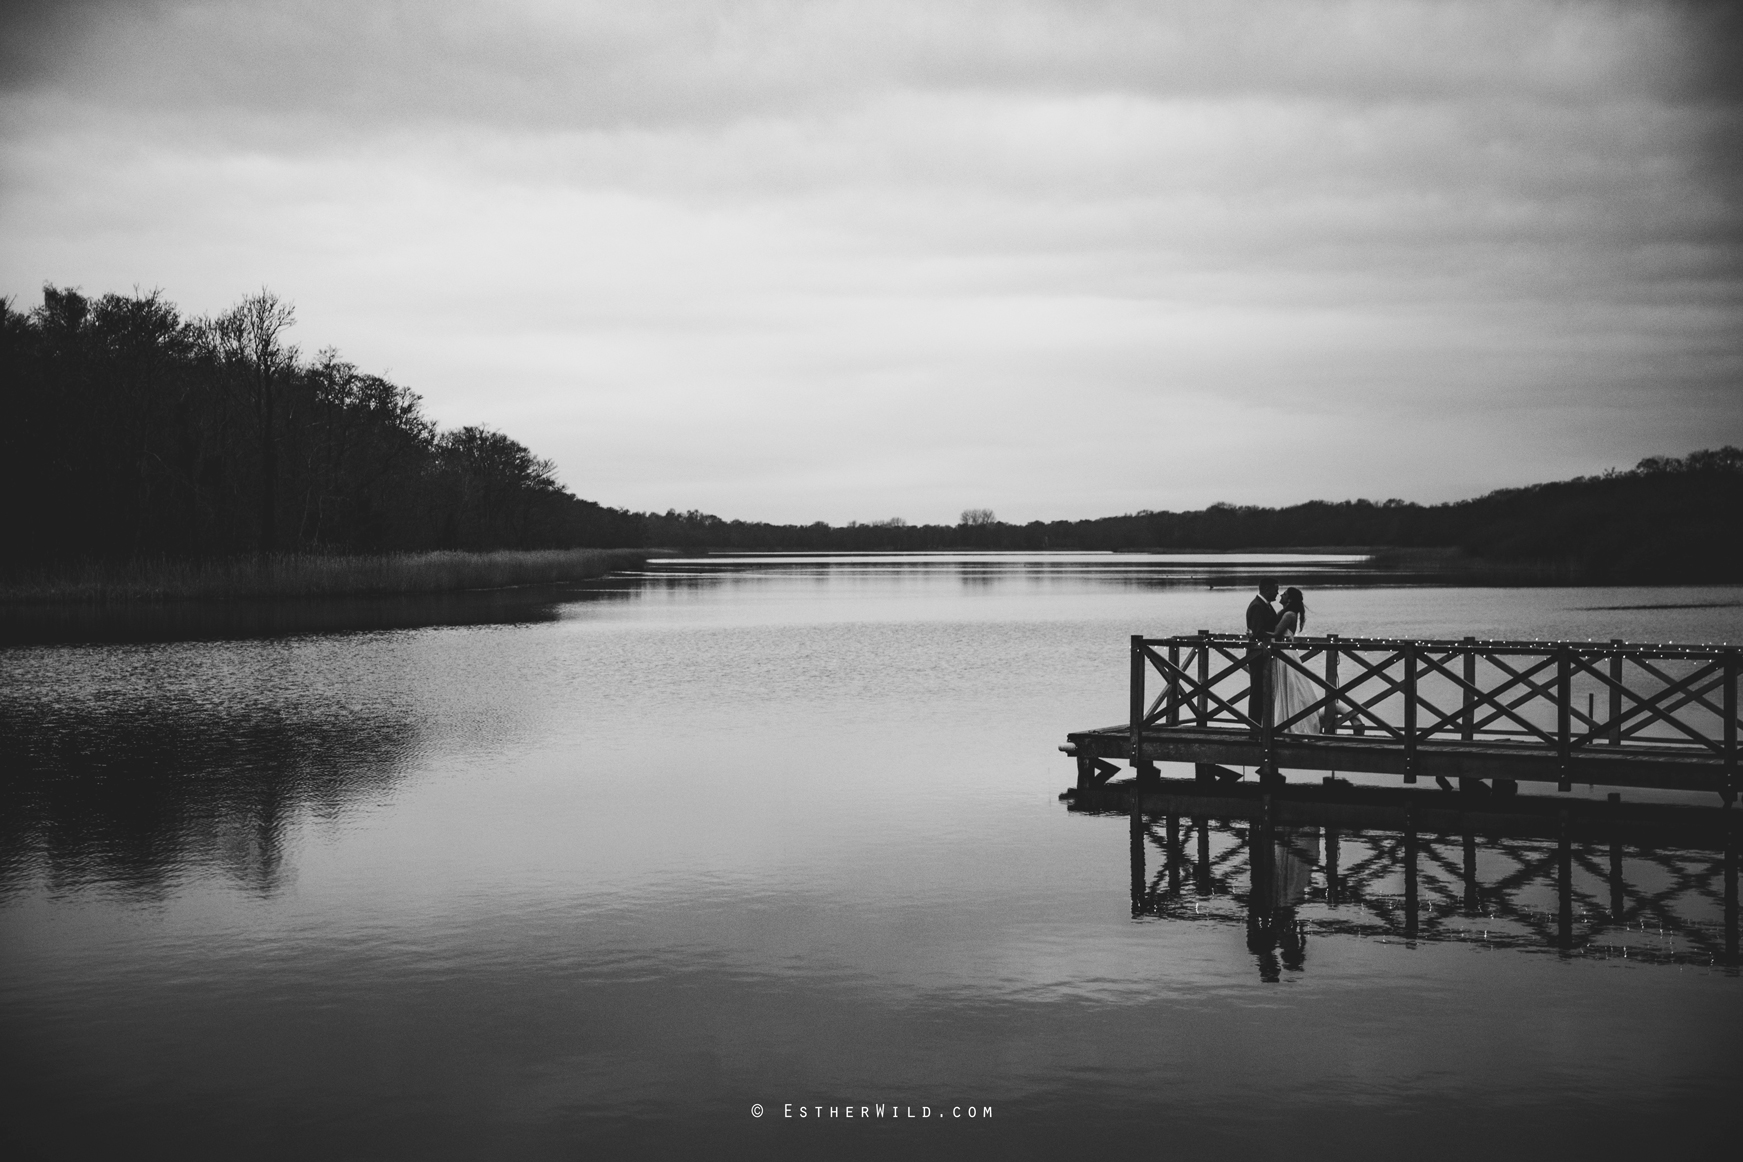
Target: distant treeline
x,y
1666,519
131,430
135,431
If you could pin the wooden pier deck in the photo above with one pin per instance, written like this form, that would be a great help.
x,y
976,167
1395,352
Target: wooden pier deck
x,y
1478,716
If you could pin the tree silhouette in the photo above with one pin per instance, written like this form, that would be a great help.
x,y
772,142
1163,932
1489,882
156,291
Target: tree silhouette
x,y
245,342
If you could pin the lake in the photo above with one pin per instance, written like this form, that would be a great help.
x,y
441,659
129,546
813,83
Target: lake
x,y
597,871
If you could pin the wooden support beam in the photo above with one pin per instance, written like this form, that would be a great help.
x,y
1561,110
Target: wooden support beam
x,y
1564,676
1410,655
1467,723
1203,699
1616,644
1329,724
1173,684
1136,722
1730,731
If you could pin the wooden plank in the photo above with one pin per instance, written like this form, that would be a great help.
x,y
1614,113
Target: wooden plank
x,y
1434,812
1662,651
1371,755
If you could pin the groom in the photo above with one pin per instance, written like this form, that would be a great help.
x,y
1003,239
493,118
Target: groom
x,y
1262,617
1262,614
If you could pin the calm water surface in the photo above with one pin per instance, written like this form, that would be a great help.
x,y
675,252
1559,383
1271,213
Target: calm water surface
x,y
594,881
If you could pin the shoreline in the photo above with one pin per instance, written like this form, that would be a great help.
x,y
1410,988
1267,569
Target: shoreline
x,y
298,576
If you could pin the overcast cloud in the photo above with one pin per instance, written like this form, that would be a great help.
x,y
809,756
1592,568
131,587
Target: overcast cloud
x,y
800,261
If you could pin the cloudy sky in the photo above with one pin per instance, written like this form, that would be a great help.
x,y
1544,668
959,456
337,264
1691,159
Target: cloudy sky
x,y
801,261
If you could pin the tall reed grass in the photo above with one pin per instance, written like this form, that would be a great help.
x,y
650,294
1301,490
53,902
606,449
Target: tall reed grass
x,y
301,575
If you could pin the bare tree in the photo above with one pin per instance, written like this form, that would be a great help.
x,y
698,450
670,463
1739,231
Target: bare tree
x,y
978,516
246,341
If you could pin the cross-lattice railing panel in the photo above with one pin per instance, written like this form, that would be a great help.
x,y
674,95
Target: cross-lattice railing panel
x,y
1565,699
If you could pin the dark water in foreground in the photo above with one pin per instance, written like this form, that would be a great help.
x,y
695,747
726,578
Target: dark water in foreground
x,y
593,881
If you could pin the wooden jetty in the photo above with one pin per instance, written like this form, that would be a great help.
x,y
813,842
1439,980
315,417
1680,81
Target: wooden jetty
x,y
1476,716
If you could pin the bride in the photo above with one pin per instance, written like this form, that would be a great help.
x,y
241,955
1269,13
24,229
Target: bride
x,y
1291,692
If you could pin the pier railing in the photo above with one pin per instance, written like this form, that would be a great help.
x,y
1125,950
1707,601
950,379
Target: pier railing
x,y
1555,699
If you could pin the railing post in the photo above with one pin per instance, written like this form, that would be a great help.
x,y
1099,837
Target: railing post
x,y
1615,691
1468,723
1564,714
1329,722
1136,725
1203,677
1410,712
1267,715
1730,791
1173,684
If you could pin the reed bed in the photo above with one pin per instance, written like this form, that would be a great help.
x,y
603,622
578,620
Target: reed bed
x,y
289,576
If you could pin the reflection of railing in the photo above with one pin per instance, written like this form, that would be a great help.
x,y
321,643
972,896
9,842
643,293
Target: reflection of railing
x,y
1616,713
1589,895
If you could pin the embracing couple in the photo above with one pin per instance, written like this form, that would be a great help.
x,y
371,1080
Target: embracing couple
x,y
1289,690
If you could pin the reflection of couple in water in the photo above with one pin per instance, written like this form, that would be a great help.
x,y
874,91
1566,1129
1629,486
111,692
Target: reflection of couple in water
x,y
1283,868
1281,878
1290,690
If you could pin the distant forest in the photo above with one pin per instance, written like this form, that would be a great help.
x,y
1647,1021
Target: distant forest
x,y
1666,519
134,431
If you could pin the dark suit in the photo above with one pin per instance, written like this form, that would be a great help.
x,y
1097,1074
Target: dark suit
x,y
1261,622
1261,618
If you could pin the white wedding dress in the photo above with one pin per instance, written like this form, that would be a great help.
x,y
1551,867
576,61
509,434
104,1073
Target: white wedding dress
x,y
1291,692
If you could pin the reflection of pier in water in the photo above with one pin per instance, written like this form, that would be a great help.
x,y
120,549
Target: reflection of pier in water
x,y
1642,882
